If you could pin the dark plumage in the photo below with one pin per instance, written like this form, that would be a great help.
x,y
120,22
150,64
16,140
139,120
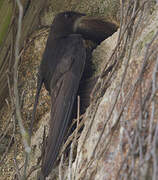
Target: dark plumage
x,y
61,70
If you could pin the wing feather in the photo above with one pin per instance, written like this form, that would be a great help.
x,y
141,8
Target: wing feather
x,y
64,87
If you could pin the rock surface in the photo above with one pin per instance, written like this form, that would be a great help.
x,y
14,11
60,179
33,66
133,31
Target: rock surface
x,y
126,128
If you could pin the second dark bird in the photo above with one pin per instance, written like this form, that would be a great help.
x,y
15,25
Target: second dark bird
x,y
61,70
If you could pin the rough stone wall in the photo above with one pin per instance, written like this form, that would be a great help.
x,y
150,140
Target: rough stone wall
x,y
127,128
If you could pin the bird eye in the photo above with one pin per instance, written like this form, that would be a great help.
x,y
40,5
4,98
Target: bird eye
x,y
67,15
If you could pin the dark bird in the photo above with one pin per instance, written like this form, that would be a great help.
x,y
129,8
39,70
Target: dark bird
x,y
61,70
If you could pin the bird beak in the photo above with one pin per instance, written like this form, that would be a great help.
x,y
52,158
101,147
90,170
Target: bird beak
x,y
94,28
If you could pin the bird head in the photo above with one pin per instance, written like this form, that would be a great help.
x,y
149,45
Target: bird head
x,y
95,29
64,23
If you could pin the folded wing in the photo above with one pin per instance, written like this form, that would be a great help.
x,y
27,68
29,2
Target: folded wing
x,y
64,86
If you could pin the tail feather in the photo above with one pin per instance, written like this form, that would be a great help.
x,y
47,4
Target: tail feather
x,y
62,97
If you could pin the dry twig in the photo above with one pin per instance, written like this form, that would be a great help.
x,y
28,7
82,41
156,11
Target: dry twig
x,y
24,134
